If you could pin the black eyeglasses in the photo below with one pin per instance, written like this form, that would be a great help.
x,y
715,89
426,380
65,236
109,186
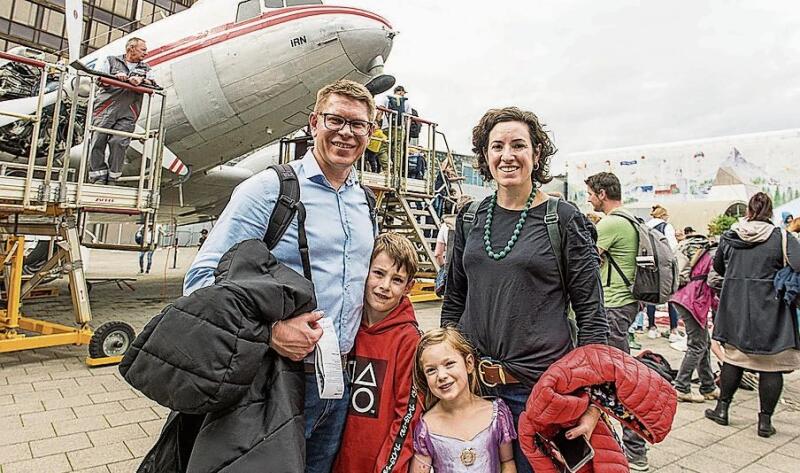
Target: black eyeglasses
x,y
334,122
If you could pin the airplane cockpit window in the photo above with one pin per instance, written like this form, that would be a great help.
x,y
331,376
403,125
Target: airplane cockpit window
x,y
273,4
294,3
248,9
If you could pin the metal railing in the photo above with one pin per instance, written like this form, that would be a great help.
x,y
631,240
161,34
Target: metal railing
x,y
46,186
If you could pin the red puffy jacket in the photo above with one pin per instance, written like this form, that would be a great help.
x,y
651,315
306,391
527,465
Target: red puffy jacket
x,y
560,397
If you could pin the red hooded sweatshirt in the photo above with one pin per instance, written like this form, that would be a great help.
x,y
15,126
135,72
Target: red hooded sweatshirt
x,y
380,420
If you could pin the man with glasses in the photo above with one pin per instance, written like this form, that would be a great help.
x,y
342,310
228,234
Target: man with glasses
x,y
340,238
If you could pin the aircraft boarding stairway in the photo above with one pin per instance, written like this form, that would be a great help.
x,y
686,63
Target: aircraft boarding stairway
x,y
405,205
48,196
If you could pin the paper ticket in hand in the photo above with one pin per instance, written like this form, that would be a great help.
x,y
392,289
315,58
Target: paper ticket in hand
x,y
328,362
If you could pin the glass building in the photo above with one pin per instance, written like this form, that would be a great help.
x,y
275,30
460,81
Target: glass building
x,y
40,23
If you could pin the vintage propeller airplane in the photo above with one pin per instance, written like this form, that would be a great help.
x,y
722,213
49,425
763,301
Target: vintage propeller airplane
x,y
238,74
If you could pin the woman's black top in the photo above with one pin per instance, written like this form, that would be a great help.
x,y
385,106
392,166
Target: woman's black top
x,y
515,309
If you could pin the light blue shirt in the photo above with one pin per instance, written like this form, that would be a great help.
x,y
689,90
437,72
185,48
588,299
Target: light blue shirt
x,y
340,239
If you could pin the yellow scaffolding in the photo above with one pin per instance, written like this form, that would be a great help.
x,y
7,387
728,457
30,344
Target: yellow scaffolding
x,y
52,200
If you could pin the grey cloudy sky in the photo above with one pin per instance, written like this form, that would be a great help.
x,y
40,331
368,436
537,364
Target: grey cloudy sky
x,y
601,74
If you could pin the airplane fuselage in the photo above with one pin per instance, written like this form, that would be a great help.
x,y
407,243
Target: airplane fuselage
x,y
239,85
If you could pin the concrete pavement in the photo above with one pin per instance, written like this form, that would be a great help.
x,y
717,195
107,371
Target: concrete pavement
x,y
58,416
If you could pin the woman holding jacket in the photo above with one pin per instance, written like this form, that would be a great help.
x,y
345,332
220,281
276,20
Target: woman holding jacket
x,y
758,330
505,288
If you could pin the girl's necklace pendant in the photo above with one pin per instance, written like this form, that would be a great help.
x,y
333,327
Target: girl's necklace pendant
x,y
468,456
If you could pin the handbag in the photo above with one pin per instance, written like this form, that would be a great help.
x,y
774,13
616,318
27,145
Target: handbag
x,y
786,281
440,283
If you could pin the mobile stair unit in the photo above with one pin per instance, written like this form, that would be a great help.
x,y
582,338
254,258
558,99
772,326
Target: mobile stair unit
x,y
49,197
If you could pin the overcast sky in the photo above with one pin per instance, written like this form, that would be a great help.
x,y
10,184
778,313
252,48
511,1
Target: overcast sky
x,y
601,74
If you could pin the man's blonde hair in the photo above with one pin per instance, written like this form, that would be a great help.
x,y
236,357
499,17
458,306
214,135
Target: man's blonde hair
x,y
346,88
400,250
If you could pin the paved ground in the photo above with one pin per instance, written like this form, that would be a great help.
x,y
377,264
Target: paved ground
x,y
57,415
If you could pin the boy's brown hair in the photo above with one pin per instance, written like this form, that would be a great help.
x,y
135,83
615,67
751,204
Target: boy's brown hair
x,y
400,250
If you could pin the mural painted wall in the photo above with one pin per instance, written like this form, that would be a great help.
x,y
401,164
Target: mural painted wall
x,y
689,170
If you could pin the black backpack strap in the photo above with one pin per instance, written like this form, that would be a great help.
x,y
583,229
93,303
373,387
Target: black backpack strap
x,y
616,267
470,215
633,221
554,234
302,241
285,206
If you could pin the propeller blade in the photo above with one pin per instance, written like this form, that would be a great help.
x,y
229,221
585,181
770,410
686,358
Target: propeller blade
x,y
25,106
73,10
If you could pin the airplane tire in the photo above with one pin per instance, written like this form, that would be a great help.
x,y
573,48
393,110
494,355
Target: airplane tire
x,y
111,339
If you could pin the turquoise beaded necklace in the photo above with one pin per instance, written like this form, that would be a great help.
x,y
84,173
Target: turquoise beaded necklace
x,y
487,228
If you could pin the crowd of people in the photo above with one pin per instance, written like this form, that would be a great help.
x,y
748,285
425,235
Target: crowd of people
x,y
531,281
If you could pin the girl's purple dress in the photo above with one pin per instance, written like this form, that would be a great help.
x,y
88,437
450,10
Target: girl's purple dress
x,y
449,454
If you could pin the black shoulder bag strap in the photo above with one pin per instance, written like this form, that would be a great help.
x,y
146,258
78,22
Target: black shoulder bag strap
x,y
287,205
402,433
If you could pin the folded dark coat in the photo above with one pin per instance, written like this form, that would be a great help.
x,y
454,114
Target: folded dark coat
x,y
238,405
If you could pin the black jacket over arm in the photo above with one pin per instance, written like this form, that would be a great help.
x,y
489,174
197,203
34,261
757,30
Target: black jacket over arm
x,y
238,405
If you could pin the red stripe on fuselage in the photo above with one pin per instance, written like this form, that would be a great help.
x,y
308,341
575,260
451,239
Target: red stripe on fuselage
x,y
174,50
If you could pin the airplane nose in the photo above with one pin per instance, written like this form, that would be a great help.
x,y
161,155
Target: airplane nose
x,y
367,48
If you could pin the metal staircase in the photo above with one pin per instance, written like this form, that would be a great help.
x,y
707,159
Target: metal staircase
x,y
53,199
413,216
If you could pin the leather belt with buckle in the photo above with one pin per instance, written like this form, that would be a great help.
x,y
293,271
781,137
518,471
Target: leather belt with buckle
x,y
309,367
491,374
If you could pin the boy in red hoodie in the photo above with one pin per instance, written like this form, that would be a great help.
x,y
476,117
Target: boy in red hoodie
x,y
383,405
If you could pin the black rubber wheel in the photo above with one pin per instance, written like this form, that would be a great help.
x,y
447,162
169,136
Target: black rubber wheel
x,y
111,339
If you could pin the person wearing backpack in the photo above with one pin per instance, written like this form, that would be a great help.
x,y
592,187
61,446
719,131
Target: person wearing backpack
x,y
693,301
660,221
757,330
511,279
393,124
617,242
340,231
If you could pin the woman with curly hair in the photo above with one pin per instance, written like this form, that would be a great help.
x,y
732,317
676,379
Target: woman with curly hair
x,y
505,288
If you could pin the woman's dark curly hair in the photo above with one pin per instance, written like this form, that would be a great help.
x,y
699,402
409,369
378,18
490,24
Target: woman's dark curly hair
x,y
490,119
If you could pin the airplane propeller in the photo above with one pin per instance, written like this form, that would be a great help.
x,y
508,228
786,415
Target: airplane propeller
x,y
26,105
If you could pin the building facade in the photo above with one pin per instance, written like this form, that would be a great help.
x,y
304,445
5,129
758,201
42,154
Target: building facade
x,y
40,23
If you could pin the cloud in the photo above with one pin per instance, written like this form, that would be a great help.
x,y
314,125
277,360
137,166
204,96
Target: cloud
x,y
600,74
